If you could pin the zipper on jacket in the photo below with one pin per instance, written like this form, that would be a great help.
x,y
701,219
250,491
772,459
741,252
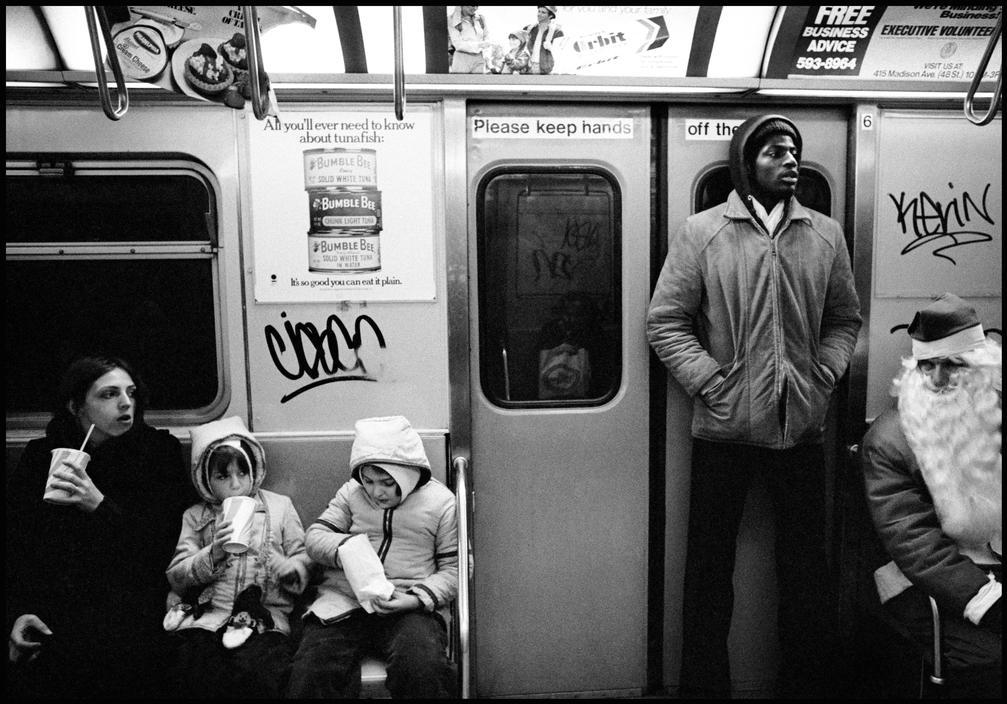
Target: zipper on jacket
x,y
778,378
386,534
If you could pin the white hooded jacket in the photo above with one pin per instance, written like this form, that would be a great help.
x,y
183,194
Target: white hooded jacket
x,y
417,540
277,540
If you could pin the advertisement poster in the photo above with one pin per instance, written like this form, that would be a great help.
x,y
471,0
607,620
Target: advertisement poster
x,y
588,40
879,42
342,206
197,50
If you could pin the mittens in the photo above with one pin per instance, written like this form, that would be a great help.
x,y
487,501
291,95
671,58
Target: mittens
x,y
248,617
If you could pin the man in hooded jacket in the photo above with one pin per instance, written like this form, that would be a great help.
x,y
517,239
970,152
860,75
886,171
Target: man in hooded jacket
x,y
756,317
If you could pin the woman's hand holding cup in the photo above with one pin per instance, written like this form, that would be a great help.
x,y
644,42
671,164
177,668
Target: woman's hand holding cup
x,y
76,485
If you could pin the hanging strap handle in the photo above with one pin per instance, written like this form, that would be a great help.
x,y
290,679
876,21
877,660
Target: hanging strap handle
x,y
122,96
978,77
256,72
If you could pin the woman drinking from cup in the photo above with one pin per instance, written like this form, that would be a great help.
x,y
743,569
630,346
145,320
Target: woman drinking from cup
x,y
85,565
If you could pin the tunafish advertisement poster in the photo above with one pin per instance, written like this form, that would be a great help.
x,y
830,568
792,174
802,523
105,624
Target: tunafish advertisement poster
x,y
342,206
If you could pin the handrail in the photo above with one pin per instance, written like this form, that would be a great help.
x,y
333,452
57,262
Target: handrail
x,y
506,370
977,79
121,94
461,467
937,676
256,71
399,86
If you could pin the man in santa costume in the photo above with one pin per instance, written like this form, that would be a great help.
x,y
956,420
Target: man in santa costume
x,y
932,470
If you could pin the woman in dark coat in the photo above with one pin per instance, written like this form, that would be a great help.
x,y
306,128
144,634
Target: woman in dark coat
x,y
85,572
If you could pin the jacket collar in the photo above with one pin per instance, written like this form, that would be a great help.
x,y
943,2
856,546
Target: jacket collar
x,y
737,210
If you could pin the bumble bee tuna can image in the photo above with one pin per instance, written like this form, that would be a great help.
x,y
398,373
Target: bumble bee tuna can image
x,y
340,168
337,208
344,209
345,251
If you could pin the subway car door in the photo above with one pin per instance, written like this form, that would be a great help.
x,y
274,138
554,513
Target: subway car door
x,y
699,178
559,228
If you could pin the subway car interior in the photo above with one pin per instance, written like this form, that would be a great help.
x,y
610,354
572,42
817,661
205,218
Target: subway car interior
x,y
372,216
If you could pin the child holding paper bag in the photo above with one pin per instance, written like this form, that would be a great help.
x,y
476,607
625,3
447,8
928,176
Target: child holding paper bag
x,y
390,513
233,627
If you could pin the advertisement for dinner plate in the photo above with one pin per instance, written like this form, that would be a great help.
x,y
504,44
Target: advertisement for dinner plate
x,y
201,51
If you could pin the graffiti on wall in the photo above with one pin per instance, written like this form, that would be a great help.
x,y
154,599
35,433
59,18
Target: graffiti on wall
x,y
315,357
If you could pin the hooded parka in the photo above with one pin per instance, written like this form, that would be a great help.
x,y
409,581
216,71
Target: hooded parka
x,y
416,540
775,315
277,539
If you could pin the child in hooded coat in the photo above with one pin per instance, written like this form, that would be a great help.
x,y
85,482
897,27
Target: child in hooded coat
x,y
409,518
230,612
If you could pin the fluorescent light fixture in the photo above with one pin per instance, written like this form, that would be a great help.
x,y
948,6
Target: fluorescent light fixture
x,y
870,94
490,87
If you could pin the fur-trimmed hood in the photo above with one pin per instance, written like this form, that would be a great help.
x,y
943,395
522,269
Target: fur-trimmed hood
x,y
207,437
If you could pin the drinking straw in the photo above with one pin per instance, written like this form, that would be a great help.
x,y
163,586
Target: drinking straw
x,y
87,437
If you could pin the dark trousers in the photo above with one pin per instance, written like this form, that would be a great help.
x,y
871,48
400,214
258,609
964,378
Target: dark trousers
x,y
205,669
327,663
721,476
973,656
106,665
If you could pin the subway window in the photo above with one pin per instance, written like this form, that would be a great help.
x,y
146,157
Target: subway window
x,y
813,189
549,287
114,257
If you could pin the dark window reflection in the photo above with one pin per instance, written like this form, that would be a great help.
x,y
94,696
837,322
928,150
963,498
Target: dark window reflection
x,y
812,190
549,287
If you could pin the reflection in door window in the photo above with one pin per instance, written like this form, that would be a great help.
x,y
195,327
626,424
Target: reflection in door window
x,y
549,288
812,189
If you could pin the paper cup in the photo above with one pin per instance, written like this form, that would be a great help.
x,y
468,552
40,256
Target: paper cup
x,y
59,456
238,510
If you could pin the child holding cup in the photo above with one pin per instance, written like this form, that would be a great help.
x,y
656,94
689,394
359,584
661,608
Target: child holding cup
x,y
238,566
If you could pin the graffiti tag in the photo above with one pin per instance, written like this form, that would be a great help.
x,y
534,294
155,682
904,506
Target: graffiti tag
x,y
581,246
316,354
950,224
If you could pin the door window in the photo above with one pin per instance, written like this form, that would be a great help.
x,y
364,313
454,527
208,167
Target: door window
x,y
812,189
549,289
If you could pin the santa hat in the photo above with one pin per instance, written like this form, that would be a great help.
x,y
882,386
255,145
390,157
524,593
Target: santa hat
x,y
946,327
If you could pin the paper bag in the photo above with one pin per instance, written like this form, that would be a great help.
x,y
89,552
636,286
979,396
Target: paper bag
x,y
364,571
564,372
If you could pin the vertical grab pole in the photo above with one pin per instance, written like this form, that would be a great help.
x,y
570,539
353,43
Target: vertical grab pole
x,y
978,77
938,676
461,468
399,89
122,96
256,71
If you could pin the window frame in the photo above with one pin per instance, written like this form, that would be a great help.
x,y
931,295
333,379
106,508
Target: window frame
x,y
720,166
87,165
540,170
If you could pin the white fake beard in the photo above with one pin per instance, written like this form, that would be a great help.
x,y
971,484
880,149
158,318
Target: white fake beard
x,y
955,435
